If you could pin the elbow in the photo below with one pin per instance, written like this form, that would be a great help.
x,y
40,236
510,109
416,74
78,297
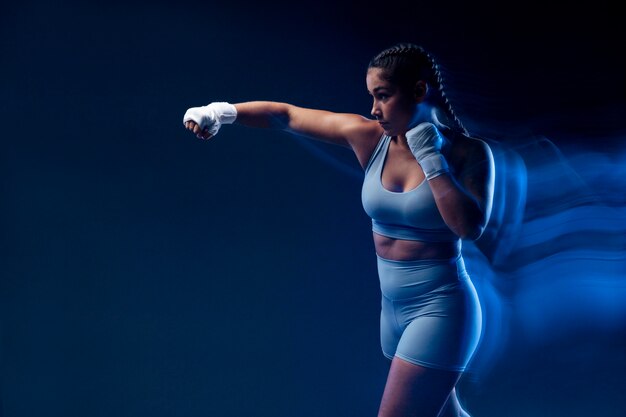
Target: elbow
x,y
468,224
471,229
471,233
473,226
279,120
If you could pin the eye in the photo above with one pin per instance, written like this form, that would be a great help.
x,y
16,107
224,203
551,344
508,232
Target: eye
x,y
382,95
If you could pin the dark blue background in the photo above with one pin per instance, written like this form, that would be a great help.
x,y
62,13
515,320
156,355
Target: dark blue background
x,y
148,273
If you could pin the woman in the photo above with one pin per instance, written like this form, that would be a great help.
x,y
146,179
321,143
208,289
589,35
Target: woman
x,y
427,186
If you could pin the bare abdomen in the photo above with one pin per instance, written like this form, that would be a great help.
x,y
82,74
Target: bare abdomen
x,y
406,250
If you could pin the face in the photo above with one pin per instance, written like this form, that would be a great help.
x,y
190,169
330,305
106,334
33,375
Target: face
x,y
394,108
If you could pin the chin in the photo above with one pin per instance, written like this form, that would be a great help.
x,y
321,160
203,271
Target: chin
x,y
389,131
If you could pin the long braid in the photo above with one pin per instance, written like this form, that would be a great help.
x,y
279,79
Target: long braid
x,y
407,63
436,81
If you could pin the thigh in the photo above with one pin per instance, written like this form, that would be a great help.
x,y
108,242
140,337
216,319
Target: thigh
x,y
415,391
442,331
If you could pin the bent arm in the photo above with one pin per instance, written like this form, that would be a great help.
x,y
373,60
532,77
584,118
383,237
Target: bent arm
x,y
465,202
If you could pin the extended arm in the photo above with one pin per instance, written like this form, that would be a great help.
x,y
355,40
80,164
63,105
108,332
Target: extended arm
x,y
344,129
336,128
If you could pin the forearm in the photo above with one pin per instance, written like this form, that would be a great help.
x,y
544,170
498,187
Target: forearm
x,y
460,210
322,125
263,114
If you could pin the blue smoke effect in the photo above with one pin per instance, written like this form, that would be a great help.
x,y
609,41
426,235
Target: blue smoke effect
x,y
551,263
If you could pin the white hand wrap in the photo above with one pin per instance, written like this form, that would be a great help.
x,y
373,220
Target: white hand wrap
x,y
425,143
212,116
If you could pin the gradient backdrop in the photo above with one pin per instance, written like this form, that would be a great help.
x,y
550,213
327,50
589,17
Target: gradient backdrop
x,y
144,272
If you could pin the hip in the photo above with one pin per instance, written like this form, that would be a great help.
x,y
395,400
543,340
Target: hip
x,y
422,278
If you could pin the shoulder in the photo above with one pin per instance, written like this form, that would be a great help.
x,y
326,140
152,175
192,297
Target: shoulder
x,y
353,128
363,135
470,155
477,149
357,128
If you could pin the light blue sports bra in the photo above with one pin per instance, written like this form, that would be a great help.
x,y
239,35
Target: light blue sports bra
x,y
411,215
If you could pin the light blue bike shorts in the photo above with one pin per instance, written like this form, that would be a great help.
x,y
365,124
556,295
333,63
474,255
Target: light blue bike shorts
x,y
430,312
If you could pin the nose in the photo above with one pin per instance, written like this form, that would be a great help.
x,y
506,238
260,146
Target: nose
x,y
376,110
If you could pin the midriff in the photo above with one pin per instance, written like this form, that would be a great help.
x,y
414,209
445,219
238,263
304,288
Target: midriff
x,y
408,250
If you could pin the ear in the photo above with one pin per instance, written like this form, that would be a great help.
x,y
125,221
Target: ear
x,y
420,90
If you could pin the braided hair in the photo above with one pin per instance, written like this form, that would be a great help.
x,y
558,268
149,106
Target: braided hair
x,y
405,63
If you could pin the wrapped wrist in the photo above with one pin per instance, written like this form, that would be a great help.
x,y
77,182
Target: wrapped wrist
x,y
225,112
425,143
433,165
